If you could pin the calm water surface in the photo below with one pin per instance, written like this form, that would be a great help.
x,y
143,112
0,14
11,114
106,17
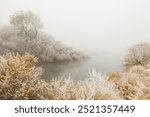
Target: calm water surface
x,y
78,70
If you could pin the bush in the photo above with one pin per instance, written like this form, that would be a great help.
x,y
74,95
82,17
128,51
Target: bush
x,y
129,86
15,72
138,55
94,88
133,83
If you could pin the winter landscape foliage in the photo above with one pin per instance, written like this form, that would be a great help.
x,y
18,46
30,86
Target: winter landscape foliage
x,y
21,79
23,43
25,35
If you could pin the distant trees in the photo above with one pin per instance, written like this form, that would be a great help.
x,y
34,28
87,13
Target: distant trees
x,y
25,35
26,24
138,55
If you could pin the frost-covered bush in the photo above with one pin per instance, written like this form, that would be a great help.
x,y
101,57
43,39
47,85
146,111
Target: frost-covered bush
x,y
33,90
24,34
96,87
144,77
129,85
15,72
133,83
138,55
137,64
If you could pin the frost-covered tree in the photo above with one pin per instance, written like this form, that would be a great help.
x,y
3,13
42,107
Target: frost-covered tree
x,y
138,55
26,24
7,39
25,35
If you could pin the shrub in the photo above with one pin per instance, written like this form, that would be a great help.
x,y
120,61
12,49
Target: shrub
x,y
16,71
129,86
138,55
96,87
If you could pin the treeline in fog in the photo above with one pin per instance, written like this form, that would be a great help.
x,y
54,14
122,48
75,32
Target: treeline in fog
x,y
24,34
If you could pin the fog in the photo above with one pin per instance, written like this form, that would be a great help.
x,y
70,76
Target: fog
x,y
104,29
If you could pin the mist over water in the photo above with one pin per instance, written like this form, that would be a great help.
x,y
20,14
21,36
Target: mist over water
x,y
104,63
104,30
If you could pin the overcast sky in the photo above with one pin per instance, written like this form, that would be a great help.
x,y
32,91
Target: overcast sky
x,y
89,24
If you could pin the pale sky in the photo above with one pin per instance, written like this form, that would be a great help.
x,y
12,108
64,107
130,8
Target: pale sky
x,y
89,24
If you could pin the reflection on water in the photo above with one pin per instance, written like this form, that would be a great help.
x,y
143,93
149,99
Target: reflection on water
x,y
78,70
